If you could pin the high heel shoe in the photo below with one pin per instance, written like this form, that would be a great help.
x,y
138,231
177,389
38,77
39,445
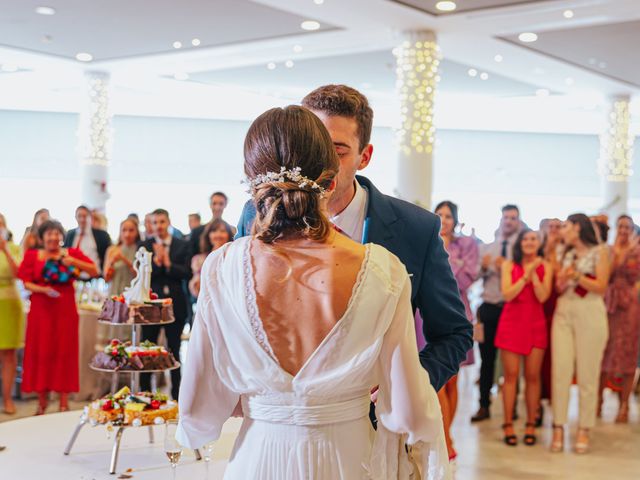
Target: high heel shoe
x,y
41,410
557,444
511,440
530,439
582,441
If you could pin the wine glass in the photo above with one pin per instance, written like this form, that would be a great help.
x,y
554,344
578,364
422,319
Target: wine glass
x,y
207,449
171,446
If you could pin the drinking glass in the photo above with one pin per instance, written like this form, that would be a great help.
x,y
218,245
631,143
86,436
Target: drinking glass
x,y
171,446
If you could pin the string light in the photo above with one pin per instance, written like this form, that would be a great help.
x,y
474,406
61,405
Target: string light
x,y
616,145
417,65
95,125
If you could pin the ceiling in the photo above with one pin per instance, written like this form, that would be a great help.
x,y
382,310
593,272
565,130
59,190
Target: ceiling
x,y
610,50
369,71
124,28
429,6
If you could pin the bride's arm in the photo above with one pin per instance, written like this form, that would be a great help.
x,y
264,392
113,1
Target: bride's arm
x,y
205,401
407,403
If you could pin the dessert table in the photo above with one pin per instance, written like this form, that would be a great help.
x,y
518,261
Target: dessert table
x,y
35,450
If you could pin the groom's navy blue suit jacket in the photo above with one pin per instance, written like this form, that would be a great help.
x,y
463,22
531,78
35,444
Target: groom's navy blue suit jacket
x,y
413,235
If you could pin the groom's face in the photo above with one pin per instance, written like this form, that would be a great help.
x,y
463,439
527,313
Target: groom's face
x,y
344,133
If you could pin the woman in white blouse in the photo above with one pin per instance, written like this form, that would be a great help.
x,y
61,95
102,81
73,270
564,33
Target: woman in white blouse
x,y
298,323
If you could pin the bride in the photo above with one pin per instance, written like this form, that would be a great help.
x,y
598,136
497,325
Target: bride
x,y
297,324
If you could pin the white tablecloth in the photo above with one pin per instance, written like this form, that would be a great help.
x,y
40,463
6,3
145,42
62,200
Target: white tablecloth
x,y
35,448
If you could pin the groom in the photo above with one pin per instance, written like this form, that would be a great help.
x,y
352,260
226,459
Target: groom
x,y
413,234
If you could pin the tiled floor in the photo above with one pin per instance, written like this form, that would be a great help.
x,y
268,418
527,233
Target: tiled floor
x,y
482,455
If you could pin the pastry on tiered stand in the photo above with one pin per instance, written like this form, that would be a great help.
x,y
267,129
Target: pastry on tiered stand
x,y
125,356
116,310
124,408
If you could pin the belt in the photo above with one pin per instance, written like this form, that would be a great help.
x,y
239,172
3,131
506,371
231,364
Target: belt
x,y
258,408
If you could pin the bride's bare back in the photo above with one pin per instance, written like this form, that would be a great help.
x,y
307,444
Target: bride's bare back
x,y
303,289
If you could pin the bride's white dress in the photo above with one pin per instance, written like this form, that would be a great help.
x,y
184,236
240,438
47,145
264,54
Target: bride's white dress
x,y
313,425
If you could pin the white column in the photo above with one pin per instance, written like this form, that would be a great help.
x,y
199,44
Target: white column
x,y
94,141
616,156
418,59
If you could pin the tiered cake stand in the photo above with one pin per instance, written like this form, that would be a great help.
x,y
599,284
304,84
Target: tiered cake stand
x,y
136,332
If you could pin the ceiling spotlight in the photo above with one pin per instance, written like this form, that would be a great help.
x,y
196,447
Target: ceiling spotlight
x,y
569,81
195,42
271,65
318,2
528,37
472,72
84,57
446,6
484,76
177,45
310,25
45,10
568,14
602,64
498,58
8,68
288,64
297,48
542,92
181,76
46,39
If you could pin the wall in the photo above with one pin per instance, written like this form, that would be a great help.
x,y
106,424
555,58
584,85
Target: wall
x,y
177,163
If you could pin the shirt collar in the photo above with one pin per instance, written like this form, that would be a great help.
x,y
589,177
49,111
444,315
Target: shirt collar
x,y
354,209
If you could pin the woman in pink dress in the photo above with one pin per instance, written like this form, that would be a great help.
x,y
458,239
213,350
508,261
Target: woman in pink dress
x,y
522,330
463,258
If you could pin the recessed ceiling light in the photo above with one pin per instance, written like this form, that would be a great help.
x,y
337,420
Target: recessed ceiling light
x,y
181,76
177,44
498,58
271,66
484,76
195,42
569,81
84,57
9,68
528,37
542,92
568,14
46,39
446,6
472,72
288,64
602,64
318,2
297,48
45,10
310,25
592,61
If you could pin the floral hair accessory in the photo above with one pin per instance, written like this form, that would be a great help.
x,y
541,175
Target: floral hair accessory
x,y
293,175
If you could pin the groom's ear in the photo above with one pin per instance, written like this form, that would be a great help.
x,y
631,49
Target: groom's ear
x,y
365,156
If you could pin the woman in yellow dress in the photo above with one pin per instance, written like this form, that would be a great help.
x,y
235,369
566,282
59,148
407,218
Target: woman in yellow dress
x,y
11,314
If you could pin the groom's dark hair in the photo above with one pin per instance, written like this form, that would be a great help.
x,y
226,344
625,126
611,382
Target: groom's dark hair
x,y
343,101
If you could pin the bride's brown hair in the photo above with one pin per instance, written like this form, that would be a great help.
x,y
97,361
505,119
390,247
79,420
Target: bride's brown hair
x,y
289,137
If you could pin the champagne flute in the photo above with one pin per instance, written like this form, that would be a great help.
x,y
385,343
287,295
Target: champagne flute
x,y
171,446
208,451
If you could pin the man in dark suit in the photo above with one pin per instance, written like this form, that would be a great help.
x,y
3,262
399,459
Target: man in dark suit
x,y
171,268
92,241
410,232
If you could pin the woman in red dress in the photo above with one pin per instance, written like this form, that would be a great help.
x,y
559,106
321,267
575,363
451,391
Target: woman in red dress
x,y
522,330
51,346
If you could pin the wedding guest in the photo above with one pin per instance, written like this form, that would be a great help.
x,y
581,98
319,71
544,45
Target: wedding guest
x,y
522,331
30,239
93,242
579,331
118,265
493,256
463,258
148,227
217,203
51,347
99,220
621,354
170,268
215,235
195,221
365,214
11,314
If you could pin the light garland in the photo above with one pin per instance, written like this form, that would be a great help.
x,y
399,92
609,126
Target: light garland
x,y
417,78
95,124
616,145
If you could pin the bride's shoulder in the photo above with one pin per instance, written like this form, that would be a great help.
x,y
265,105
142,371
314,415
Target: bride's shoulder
x,y
386,265
225,254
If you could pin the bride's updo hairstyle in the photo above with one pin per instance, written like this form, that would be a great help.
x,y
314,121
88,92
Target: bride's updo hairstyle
x,y
289,137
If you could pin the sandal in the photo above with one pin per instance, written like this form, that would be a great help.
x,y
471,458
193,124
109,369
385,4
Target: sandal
x,y
582,441
557,445
512,439
530,439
